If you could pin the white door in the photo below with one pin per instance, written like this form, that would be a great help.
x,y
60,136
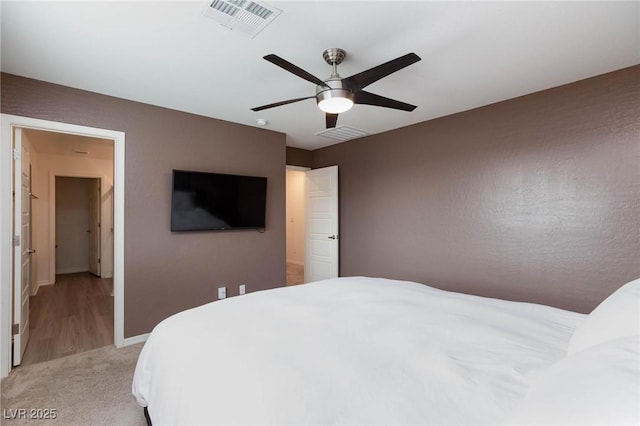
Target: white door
x,y
322,224
94,226
22,250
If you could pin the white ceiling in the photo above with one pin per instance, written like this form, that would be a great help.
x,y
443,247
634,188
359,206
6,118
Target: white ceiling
x,y
169,54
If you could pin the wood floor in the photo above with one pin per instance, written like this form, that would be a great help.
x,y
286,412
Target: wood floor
x,y
295,274
73,315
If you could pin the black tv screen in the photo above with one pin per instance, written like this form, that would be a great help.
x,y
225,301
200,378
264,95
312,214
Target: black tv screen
x,y
211,201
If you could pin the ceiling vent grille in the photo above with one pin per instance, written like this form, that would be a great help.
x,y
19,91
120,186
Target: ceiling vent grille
x,y
343,133
245,16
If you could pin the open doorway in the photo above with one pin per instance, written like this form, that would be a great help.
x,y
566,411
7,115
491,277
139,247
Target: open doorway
x,y
13,249
71,298
312,224
77,225
295,210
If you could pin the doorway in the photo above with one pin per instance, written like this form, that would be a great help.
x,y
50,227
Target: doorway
x,y
295,210
71,308
312,224
77,225
10,127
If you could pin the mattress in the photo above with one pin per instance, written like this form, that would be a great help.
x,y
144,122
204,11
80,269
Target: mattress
x,y
352,350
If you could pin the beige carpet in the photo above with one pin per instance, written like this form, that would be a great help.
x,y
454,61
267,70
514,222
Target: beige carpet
x,y
91,388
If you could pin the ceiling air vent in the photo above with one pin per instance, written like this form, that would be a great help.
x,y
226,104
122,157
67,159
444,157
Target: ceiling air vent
x,y
343,133
246,16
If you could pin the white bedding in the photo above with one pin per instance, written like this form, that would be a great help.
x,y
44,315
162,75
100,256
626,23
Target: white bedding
x,y
348,351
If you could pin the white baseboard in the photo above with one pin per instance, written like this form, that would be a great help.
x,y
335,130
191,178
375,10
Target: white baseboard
x,y
141,338
38,285
296,262
72,270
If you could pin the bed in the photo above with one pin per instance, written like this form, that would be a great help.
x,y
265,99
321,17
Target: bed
x,y
364,351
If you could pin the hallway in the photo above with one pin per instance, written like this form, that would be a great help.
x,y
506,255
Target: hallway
x,y
73,315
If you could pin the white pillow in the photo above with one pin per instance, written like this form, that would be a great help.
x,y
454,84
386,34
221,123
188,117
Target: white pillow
x,y
617,316
597,386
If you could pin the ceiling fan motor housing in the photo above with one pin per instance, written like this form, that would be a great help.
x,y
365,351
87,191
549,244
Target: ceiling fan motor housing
x,y
337,88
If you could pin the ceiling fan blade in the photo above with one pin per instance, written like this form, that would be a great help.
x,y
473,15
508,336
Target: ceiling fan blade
x,y
331,120
277,60
289,101
365,78
367,98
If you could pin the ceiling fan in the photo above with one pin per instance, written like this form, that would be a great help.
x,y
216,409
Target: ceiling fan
x,y
336,94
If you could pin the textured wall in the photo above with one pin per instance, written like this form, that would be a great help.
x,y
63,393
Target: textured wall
x,y
164,272
299,157
534,199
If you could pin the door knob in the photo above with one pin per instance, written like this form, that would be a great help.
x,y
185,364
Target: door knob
x,y
31,251
333,237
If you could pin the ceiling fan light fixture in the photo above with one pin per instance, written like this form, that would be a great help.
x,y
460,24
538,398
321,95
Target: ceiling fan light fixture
x,y
335,105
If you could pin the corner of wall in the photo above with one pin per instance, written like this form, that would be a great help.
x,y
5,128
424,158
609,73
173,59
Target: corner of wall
x,y
299,157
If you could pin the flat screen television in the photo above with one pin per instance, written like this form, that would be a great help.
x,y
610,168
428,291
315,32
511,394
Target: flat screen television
x,y
203,201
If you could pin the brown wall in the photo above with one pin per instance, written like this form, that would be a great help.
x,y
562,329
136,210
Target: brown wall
x,y
299,157
534,199
164,272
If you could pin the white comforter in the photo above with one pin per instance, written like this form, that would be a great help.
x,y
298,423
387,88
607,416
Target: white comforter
x,y
348,351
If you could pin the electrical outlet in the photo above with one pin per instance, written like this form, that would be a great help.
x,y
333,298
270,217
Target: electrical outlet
x,y
222,292
242,289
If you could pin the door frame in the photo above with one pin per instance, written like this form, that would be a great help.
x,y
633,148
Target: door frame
x,y
7,123
95,214
52,217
